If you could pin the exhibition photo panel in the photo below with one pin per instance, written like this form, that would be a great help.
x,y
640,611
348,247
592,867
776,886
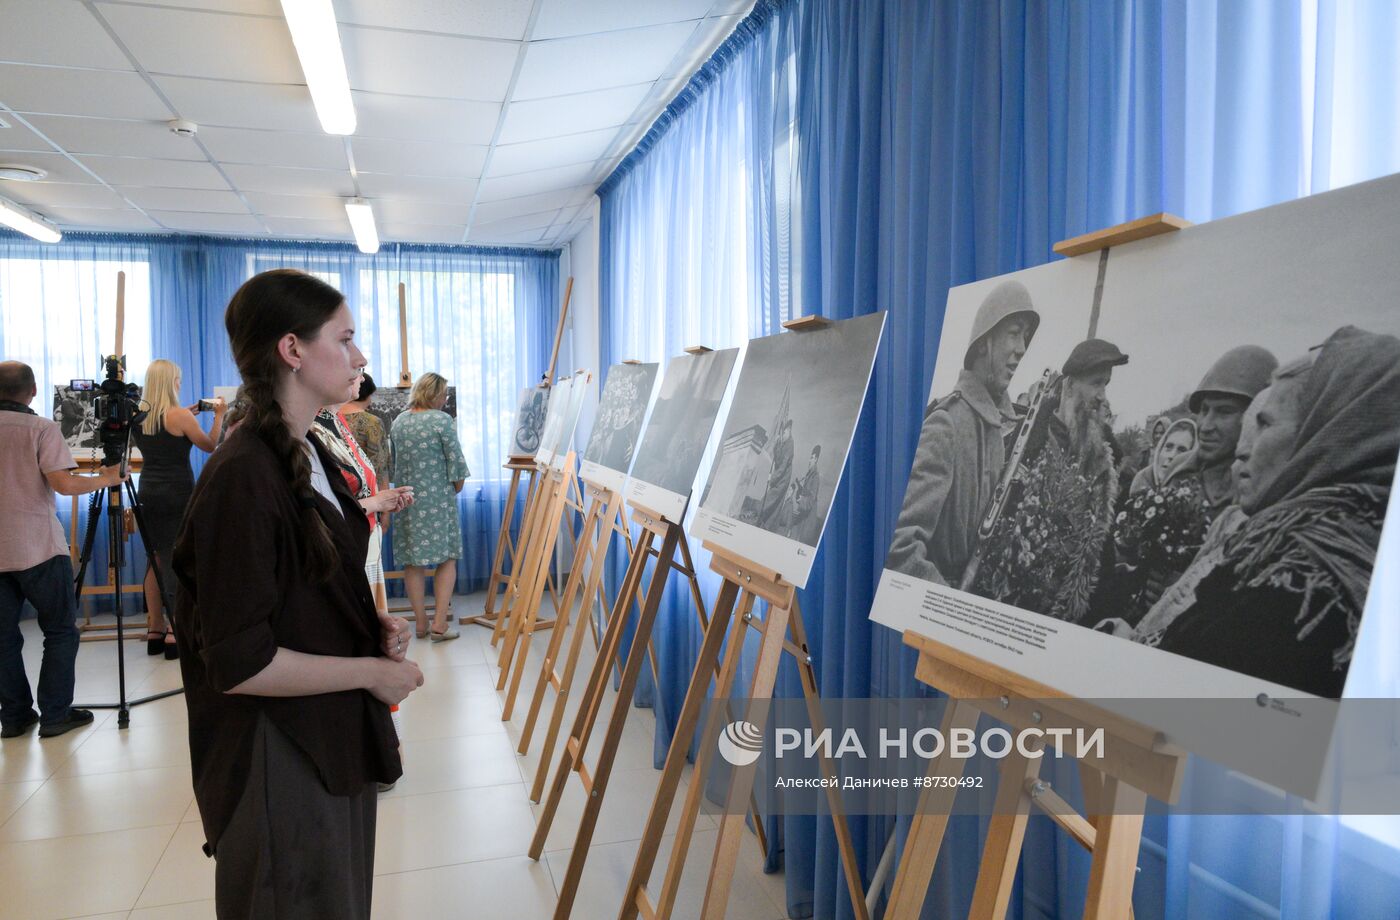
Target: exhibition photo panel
x,y
529,421
555,411
677,431
1179,490
622,408
568,419
784,443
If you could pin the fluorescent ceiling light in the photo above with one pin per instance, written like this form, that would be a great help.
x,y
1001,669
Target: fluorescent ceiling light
x,y
317,40
12,215
362,222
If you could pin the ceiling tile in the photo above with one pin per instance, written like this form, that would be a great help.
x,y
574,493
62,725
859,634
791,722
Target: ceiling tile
x,y
321,182
399,211
62,91
488,211
101,219
57,32
484,18
417,158
186,199
198,44
561,18
61,195
548,154
417,64
302,207
275,148
574,65
299,229
449,121
419,233
58,167
270,106
517,224
539,118
150,172
116,138
210,223
418,188
545,180
19,137
250,7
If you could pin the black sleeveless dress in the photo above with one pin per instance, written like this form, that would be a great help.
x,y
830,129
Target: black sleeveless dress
x,y
164,486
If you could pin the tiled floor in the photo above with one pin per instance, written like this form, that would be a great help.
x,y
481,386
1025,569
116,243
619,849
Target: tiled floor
x,y
101,823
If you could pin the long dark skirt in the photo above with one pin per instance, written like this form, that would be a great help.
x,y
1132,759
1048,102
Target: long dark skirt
x,y
293,851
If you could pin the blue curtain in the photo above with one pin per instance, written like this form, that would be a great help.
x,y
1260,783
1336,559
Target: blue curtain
x,y
939,143
484,318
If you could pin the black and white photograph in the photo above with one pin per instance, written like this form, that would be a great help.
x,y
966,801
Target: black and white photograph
x,y
679,428
387,403
76,417
622,408
568,418
555,410
1182,480
785,441
529,421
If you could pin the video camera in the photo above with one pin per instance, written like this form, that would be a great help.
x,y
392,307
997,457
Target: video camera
x,y
116,410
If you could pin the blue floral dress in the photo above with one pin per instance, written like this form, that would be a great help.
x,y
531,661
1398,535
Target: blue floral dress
x,y
428,457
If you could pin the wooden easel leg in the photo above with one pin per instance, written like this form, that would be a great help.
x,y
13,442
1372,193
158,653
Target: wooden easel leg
x,y
488,615
561,614
548,676
524,546
731,823
1114,866
689,718
532,585
845,844
597,787
570,759
1006,831
930,822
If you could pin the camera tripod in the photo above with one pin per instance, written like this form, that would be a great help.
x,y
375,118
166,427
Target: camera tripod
x,y
116,547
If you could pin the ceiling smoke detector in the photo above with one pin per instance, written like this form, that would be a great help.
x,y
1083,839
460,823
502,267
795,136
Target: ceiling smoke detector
x,y
183,128
16,172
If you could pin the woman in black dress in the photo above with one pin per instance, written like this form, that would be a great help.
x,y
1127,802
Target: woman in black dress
x,y
289,670
165,484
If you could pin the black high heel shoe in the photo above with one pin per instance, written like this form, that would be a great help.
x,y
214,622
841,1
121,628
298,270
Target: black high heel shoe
x,y
155,642
172,650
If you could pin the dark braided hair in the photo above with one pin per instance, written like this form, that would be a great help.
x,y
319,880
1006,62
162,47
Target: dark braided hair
x,y
267,307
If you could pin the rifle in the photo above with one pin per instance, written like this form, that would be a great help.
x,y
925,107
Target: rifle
x,y
1010,473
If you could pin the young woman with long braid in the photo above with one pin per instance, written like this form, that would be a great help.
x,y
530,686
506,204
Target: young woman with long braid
x,y
289,670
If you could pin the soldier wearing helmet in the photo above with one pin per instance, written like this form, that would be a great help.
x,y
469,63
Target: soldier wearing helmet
x,y
961,451
1219,403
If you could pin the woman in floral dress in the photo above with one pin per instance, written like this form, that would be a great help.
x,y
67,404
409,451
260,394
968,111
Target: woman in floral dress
x,y
427,535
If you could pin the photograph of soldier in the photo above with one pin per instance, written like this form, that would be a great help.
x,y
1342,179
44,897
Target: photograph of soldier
x,y
1203,499
621,408
72,409
797,392
961,449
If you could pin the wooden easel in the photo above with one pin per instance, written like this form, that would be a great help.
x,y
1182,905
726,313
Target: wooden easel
x,y
654,528
405,380
1137,762
600,524
744,583
506,549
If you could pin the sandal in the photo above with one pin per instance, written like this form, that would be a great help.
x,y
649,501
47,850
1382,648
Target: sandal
x,y
447,635
172,651
155,642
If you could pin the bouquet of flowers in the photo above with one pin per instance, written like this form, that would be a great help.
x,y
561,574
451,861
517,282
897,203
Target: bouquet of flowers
x,y
1162,529
1044,553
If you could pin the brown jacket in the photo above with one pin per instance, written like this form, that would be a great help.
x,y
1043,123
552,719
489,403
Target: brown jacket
x,y
960,457
242,595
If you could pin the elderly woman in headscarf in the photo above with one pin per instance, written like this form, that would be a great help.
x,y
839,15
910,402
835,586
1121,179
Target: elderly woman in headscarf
x,y
1285,602
1171,448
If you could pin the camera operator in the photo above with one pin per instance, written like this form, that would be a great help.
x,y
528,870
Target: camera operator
x,y
164,438
35,463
